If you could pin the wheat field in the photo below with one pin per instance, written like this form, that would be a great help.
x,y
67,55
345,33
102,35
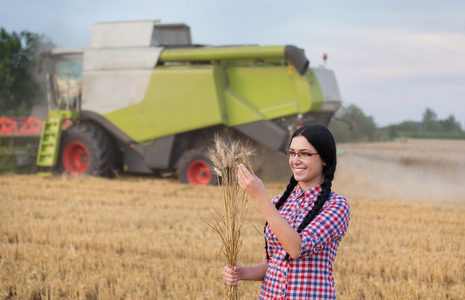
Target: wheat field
x,y
146,238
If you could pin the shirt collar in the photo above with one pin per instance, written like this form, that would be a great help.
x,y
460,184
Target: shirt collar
x,y
310,193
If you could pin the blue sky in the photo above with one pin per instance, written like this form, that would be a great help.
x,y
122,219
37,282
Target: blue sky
x,y
393,59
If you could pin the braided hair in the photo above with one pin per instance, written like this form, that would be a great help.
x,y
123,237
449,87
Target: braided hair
x,y
323,142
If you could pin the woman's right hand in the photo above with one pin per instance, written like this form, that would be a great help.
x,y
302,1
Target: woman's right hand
x,y
232,276
251,184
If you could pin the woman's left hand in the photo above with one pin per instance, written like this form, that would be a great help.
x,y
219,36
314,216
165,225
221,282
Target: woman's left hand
x,y
251,184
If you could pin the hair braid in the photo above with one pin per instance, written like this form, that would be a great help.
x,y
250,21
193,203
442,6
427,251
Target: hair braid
x,y
319,203
290,187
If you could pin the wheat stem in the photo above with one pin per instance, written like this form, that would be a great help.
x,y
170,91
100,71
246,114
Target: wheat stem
x,y
225,157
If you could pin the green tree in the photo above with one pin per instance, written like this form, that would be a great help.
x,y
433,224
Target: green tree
x,y
355,125
450,125
17,86
430,121
406,128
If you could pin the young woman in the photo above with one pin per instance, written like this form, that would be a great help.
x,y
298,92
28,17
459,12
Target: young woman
x,y
304,225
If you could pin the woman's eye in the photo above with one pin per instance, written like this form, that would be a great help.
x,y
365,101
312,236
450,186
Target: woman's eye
x,y
304,154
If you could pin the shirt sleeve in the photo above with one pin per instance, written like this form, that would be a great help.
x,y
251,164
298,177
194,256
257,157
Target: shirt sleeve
x,y
271,250
330,224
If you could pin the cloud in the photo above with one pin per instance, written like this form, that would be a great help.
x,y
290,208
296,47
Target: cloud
x,y
385,55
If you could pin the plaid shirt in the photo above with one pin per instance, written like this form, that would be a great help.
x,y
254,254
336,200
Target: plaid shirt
x,y
311,275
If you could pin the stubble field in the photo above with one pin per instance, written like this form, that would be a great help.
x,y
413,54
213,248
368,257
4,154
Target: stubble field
x,y
147,238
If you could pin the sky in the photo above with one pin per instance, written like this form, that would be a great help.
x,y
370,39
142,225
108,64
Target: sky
x,y
392,59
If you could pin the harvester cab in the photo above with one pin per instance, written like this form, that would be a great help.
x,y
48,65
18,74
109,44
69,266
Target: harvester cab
x,y
63,79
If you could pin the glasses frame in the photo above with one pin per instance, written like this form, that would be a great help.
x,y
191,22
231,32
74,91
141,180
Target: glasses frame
x,y
300,155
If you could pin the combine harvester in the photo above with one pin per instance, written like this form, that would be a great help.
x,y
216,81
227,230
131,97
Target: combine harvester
x,y
143,99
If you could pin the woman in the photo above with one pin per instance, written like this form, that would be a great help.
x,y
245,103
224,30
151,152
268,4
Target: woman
x,y
304,225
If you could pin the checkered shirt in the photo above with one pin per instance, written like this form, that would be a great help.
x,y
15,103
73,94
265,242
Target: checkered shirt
x,y
311,275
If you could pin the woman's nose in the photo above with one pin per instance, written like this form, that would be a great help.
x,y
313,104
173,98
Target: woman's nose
x,y
296,158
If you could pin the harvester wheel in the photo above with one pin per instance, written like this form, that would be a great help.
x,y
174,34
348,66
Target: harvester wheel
x,y
194,169
86,149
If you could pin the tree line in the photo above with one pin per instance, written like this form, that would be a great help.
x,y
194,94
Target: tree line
x,y
350,124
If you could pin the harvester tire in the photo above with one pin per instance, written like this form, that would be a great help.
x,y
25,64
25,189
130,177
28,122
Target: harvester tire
x,y
194,168
86,149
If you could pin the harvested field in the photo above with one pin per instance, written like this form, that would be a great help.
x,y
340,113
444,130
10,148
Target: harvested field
x,y
146,238
412,170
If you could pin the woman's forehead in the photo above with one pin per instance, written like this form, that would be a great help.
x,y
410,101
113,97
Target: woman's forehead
x,y
301,143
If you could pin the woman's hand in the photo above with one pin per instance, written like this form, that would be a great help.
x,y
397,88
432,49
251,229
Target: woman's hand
x,y
251,184
232,276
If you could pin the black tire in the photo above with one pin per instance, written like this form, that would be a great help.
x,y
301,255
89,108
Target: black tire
x,y
194,168
86,149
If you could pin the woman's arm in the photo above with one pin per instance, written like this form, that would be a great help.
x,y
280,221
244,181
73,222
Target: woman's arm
x,y
286,234
254,273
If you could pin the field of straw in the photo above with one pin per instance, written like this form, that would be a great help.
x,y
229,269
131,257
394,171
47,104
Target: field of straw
x,y
147,238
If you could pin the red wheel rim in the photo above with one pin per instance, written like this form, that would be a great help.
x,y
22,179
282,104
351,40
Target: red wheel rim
x,y
198,173
75,158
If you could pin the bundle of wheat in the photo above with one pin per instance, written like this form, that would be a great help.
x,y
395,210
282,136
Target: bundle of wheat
x,y
226,155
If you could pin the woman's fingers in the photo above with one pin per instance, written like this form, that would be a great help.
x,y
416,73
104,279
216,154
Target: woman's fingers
x,y
250,183
231,276
244,175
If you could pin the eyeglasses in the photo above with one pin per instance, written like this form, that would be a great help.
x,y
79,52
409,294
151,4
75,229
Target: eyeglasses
x,y
300,155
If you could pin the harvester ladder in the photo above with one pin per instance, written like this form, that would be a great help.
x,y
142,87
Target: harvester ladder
x,y
49,145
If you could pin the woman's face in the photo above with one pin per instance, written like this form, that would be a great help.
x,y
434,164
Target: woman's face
x,y
307,170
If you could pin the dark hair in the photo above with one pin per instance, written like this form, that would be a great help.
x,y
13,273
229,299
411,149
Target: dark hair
x,y
323,142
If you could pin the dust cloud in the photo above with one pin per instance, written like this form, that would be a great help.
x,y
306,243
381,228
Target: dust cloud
x,y
271,166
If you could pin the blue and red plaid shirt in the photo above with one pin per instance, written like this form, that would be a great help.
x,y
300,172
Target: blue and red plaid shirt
x,y
311,275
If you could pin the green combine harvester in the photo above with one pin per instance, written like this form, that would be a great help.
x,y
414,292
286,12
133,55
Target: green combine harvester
x,y
143,99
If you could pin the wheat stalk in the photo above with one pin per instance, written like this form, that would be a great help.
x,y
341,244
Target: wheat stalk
x,y
225,156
